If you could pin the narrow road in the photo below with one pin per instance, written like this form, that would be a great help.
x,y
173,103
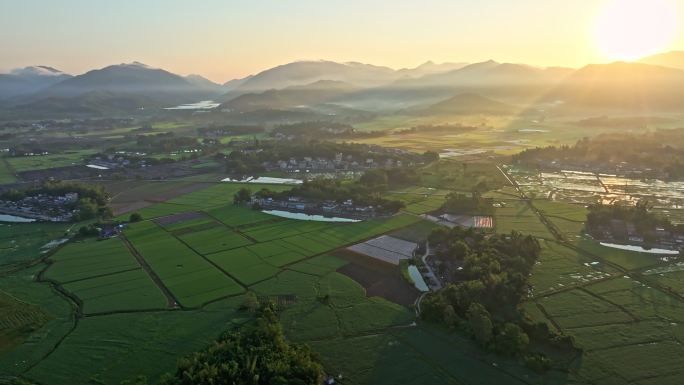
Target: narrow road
x,y
170,298
432,275
433,279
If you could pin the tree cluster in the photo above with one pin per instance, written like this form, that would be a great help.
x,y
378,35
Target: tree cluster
x,y
92,199
335,190
249,159
485,303
257,354
165,142
473,204
658,153
602,219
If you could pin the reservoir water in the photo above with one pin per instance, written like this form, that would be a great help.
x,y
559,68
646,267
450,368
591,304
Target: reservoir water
x,y
417,278
640,249
308,217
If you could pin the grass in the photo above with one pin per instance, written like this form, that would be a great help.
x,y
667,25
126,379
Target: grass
x,y
192,279
17,320
6,174
24,242
28,163
629,260
560,267
127,290
576,309
36,343
110,349
629,330
90,258
214,240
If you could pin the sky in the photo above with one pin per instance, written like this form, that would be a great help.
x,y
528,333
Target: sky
x,y
226,39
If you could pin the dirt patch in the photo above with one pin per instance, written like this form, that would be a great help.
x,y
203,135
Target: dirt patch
x,y
153,191
128,207
178,218
166,195
378,278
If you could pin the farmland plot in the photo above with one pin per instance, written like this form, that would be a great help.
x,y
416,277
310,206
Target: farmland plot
x,y
192,279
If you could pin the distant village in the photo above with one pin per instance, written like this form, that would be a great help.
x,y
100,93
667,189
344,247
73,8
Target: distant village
x,y
619,230
42,207
620,169
346,209
338,163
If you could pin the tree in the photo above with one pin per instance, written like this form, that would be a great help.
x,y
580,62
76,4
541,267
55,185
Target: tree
x,y
242,196
135,217
256,354
480,322
374,178
451,319
86,208
13,195
512,340
251,302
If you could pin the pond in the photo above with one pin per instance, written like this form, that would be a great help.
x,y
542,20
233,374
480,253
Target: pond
x,y
264,180
417,278
15,219
97,167
203,105
308,217
640,249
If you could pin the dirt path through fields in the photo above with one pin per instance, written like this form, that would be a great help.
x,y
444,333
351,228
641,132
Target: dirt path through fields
x,y
170,298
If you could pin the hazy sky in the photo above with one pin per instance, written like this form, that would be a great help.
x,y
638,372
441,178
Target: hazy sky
x,y
224,39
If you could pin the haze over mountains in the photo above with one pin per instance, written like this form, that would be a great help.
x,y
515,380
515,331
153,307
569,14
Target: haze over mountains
x,y
656,82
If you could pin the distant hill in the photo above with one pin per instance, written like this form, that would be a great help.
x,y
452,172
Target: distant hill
x,y
633,86
119,88
27,80
504,81
489,73
205,84
307,72
674,59
133,78
93,103
318,92
235,83
429,68
468,104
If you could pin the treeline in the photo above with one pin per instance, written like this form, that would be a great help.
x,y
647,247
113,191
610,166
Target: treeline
x,y
330,189
248,160
165,142
437,129
658,153
256,354
485,304
92,199
58,188
616,217
230,129
323,130
468,204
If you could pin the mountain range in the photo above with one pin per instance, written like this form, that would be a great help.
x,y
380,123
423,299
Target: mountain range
x,y
654,82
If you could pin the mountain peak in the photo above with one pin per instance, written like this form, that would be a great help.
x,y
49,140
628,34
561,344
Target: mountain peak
x,y
38,70
673,59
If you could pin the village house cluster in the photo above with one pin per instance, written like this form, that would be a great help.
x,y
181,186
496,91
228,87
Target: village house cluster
x,y
42,207
346,209
620,230
338,163
610,168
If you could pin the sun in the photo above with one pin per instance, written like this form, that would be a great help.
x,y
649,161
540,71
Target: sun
x,y
631,29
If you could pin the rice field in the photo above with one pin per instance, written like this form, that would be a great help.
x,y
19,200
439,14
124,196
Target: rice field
x,y
39,162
